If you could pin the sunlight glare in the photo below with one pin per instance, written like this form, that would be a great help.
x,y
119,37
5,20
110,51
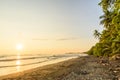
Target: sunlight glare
x,y
18,68
18,62
19,46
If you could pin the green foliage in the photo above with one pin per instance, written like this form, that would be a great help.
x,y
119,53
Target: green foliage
x,y
96,34
109,39
90,52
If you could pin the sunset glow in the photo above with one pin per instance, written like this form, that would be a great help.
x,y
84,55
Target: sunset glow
x,y
19,46
47,27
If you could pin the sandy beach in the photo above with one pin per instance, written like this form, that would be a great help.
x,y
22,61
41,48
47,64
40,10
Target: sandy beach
x,y
82,68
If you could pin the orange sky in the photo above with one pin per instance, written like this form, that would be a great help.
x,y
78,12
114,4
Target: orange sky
x,y
48,26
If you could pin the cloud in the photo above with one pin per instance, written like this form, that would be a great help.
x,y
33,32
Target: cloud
x,y
39,39
63,39
59,39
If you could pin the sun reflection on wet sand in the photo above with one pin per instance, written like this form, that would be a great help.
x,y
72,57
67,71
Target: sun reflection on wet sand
x,y
18,68
18,63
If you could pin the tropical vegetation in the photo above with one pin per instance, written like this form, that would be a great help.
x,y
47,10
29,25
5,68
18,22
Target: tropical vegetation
x,y
109,38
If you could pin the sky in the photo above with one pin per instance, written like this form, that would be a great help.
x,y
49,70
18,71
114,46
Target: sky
x,y
48,26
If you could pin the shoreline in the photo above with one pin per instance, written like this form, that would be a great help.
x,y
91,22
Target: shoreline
x,y
82,68
40,64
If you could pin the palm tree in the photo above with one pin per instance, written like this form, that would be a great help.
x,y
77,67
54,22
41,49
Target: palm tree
x,y
106,19
109,39
96,34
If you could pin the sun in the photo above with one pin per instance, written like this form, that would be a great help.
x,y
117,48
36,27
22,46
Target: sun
x,y
19,46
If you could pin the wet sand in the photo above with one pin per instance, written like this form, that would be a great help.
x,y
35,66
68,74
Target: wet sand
x,y
82,68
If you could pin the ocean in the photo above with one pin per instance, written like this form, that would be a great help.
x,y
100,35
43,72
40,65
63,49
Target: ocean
x,y
17,63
